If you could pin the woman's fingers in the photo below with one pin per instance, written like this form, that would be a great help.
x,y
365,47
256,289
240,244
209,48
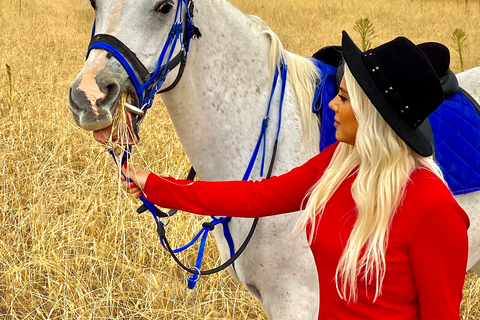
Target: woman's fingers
x,y
130,186
137,194
126,184
132,189
139,178
136,174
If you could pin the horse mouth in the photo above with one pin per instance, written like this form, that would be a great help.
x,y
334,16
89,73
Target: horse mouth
x,y
121,132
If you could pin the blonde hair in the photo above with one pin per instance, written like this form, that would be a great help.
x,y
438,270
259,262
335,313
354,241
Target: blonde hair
x,y
383,163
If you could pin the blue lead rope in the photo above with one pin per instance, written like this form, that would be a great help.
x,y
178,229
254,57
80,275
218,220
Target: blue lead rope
x,y
203,233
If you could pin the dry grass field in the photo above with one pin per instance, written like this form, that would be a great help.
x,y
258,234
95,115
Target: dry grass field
x,y
71,246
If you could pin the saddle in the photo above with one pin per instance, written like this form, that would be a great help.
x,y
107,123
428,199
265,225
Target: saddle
x,y
453,129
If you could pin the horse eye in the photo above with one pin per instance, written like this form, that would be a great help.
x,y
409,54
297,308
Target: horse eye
x,y
94,5
164,7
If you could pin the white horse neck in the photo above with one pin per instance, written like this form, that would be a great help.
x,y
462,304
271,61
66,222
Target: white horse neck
x,y
218,106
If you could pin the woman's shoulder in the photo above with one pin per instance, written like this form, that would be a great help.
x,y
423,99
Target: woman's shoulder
x,y
428,197
425,181
322,160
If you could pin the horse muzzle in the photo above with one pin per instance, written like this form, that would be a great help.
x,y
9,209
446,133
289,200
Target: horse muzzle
x,y
94,103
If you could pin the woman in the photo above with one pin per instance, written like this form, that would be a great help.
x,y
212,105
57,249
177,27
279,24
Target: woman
x,y
389,240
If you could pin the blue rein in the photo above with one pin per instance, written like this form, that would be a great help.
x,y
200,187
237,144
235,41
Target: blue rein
x,y
207,227
283,70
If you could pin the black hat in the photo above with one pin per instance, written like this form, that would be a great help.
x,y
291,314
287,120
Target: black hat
x,y
401,83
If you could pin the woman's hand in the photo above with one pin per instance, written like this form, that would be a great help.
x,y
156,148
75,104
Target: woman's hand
x,y
139,178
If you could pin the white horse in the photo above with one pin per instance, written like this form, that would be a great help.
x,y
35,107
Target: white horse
x,y
217,110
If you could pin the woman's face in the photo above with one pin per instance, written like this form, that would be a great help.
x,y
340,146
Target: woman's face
x,y
345,120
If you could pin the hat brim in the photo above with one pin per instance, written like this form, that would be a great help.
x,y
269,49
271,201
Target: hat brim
x,y
413,137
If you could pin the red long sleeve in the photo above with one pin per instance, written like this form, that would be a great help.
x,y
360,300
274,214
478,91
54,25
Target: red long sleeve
x,y
249,199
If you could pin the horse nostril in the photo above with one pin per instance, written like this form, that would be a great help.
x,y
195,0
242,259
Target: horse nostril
x,y
111,91
73,105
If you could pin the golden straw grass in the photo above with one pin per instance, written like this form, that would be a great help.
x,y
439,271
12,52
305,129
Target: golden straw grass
x,y
72,246
119,129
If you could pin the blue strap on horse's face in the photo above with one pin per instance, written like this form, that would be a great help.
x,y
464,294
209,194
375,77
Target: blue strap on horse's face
x,y
129,60
135,69
146,83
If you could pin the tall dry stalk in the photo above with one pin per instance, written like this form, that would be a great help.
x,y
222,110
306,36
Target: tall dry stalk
x,y
459,38
10,87
364,27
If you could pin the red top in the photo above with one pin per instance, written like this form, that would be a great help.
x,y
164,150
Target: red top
x,y
426,256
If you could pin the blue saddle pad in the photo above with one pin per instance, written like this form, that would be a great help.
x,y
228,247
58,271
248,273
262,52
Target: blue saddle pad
x,y
456,131
326,91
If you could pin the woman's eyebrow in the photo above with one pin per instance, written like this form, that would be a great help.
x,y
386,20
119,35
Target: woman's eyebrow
x,y
343,90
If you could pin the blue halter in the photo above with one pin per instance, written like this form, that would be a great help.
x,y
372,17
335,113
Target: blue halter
x,y
147,84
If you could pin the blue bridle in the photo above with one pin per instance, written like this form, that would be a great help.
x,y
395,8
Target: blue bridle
x,y
147,84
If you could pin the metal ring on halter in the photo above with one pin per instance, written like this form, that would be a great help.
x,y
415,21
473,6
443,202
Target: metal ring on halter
x,y
199,272
134,110
168,220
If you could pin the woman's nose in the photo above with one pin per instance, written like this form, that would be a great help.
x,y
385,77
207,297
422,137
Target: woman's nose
x,y
332,105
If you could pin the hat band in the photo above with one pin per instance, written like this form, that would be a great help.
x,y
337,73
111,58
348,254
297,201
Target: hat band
x,y
394,99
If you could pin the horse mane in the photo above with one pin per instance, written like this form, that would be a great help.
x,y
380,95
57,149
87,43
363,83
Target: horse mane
x,y
303,76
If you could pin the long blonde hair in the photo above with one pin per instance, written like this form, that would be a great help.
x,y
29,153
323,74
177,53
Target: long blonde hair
x,y
383,164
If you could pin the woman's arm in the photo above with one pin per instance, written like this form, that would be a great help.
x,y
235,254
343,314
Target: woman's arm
x,y
250,199
438,253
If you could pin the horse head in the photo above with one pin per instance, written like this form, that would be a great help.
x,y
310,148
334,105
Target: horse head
x,y
126,59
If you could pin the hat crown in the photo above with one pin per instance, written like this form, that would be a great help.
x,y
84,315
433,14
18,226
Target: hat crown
x,y
406,78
